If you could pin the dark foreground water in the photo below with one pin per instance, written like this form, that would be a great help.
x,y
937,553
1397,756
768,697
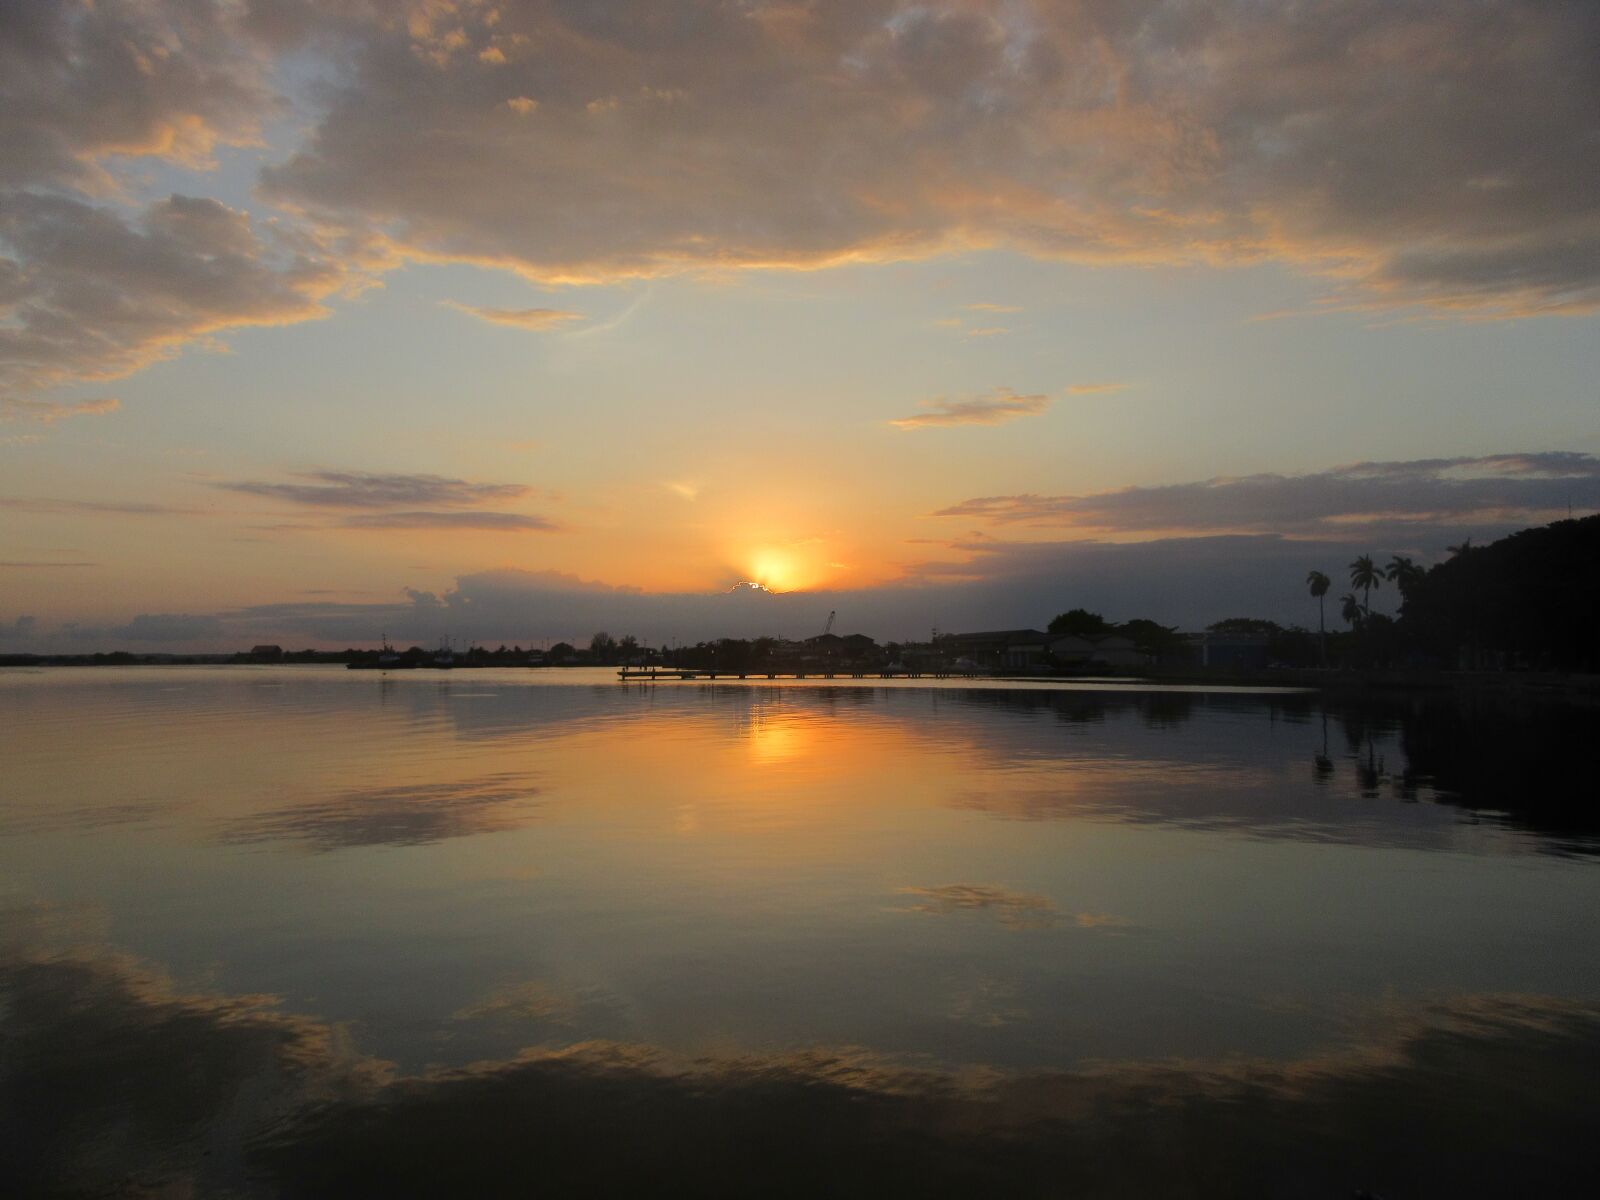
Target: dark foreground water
x,y
308,932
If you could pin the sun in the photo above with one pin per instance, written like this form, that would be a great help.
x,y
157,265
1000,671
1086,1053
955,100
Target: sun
x,y
775,570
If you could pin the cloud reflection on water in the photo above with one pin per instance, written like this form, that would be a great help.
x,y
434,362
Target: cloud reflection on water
x,y
117,1080
406,815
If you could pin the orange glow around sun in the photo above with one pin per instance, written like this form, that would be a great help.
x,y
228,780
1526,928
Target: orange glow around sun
x,y
776,570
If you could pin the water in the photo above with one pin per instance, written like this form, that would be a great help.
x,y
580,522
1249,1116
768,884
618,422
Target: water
x,y
302,931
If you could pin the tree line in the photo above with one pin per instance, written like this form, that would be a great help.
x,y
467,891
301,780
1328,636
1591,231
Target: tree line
x,y
1530,600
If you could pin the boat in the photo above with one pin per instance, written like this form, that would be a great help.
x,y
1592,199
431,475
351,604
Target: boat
x,y
443,658
388,660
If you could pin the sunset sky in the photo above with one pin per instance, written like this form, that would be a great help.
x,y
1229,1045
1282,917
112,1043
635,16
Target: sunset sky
x,y
513,321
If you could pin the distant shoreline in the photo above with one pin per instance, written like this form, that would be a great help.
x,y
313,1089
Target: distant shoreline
x,y
1333,681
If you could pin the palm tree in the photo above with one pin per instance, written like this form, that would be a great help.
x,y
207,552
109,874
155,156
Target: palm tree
x,y
1351,611
1464,548
1319,585
1364,574
1403,573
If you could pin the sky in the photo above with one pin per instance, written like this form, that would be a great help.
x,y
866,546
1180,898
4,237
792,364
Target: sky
x,y
516,321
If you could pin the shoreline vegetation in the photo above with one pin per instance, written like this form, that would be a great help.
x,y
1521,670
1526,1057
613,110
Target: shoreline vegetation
x,y
1520,613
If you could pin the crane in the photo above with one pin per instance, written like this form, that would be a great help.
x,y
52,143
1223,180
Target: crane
x,y
828,628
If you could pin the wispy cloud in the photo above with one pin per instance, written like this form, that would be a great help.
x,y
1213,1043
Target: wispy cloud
x,y
71,508
48,412
1089,389
360,489
539,319
1338,502
998,406
499,522
994,308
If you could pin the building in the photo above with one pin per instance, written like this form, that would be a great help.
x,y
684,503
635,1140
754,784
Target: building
x,y
1112,650
1230,651
851,646
999,649
1120,652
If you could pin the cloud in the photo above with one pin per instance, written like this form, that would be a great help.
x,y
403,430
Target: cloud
x,y
559,142
723,136
522,318
47,564
360,489
494,521
1343,502
994,308
80,84
998,406
161,627
90,286
47,412
388,501
96,295
1090,389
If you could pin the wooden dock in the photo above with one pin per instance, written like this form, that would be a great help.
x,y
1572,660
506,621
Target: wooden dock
x,y
656,674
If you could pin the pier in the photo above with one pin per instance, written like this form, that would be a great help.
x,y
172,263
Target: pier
x,y
654,674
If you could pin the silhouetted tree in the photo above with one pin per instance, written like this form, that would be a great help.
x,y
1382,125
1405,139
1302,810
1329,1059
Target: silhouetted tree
x,y
1404,574
1319,584
1351,610
1364,574
1080,622
1151,637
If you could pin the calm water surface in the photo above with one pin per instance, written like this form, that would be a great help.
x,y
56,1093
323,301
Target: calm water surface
x,y
303,931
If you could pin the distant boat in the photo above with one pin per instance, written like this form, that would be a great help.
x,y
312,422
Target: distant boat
x,y
444,658
388,660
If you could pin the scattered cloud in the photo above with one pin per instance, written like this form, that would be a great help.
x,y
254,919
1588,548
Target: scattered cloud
x,y
994,308
1090,389
522,318
93,294
683,489
36,565
998,406
1124,133
802,137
